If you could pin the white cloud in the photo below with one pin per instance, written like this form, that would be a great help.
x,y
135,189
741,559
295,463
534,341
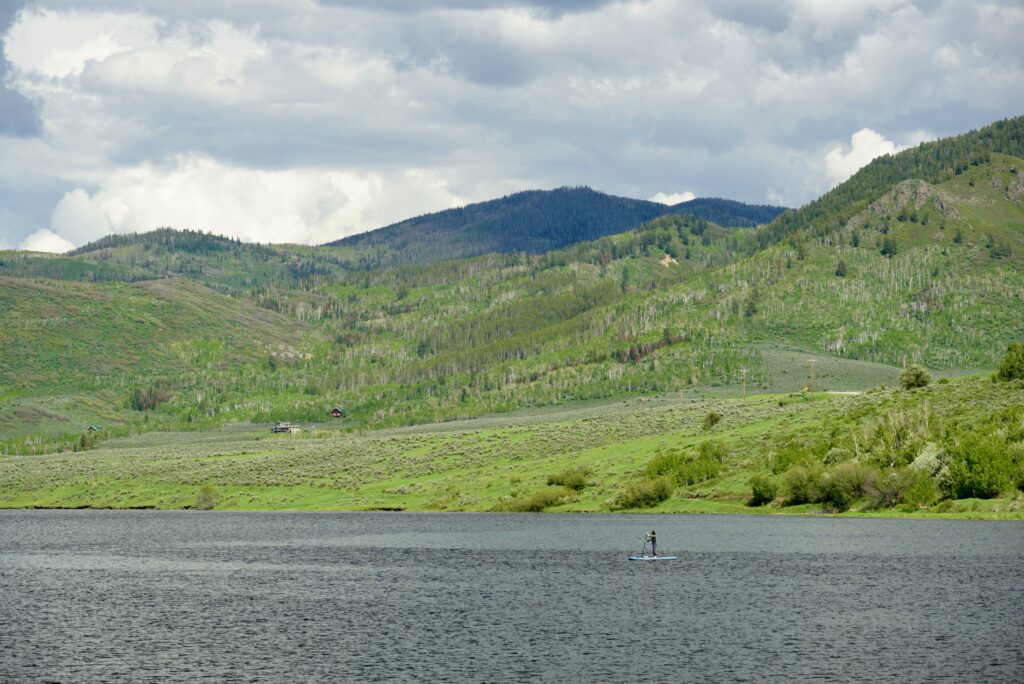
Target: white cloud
x,y
78,218
46,241
60,44
213,66
672,198
139,101
307,206
865,145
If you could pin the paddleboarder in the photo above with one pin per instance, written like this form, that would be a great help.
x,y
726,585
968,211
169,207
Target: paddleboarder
x,y
651,537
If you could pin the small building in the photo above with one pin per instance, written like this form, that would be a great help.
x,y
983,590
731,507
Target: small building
x,y
337,412
286,427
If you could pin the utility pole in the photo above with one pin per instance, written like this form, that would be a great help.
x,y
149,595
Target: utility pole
x,y
744,371
810,377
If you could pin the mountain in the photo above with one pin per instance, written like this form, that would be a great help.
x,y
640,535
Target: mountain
x,y
534,221
726,212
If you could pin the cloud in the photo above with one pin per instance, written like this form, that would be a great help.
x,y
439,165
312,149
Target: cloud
x,y
865,145
78,219
307,206
19,116
45,241
555,7
672,198
409,107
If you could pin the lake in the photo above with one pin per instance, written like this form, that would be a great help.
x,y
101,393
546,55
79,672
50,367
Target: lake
x,y
151,596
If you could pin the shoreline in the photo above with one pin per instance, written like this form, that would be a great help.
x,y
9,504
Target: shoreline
x,y
968,515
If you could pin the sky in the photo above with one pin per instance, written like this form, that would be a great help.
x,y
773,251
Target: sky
x,y
307,120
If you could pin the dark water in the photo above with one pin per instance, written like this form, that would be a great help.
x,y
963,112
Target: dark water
x,y
178,596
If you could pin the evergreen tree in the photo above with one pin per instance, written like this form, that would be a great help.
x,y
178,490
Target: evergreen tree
x,y
915,376
1012,365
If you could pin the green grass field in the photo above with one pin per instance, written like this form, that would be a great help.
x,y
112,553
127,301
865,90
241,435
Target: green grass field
x,y
492,463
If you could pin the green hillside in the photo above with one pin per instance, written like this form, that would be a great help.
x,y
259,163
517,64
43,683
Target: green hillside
x,y
74,353
933,162
535,221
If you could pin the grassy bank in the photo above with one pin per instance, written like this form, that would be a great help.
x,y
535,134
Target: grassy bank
x,y
579,459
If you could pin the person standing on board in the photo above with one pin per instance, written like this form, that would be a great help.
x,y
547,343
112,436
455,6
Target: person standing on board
x,y
654,543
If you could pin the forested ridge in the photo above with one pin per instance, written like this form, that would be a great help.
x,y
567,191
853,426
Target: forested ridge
x,y
534,221
934,162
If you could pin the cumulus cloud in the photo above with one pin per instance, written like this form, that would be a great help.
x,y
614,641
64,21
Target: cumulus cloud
x,y
78,218
672,198
297,205
171,113
865,145
46,241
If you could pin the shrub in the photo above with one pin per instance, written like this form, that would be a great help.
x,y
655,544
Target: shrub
x,y
1018,475
981,466
837,455
921,491
87,440
147,399
1011,422
545,498
891,486
573,478
764,490
791,452
712,419
1012,365
915,376
665,464
713,451
206,498
930,459
644,493
885,487
802,484
695,471
897,437
843,485
689,468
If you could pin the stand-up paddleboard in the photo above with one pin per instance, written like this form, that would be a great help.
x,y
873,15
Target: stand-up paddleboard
x,y
652,558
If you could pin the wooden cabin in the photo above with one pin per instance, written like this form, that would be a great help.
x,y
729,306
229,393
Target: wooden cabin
x,y
337,412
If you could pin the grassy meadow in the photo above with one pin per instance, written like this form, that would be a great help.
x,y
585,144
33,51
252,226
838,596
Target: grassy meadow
x,y
580,458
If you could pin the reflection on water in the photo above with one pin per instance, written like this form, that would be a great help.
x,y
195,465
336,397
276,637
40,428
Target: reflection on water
x,y
180,596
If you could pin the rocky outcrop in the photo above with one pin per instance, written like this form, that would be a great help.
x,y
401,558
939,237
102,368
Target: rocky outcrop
x,y
912,193
1015,188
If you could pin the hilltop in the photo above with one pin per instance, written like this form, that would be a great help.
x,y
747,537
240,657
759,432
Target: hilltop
x,y
534,221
